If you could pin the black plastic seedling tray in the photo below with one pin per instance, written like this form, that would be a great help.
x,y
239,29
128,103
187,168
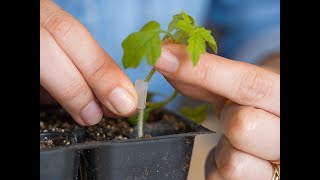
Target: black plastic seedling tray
x,y
162,156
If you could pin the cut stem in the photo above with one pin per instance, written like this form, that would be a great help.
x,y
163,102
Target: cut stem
x,y
155,105
141,111
140,123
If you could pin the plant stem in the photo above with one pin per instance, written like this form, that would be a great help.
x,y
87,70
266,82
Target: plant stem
x,y
150,75
156,105
141,111
169,34
140,123
180,37
165,102
153,106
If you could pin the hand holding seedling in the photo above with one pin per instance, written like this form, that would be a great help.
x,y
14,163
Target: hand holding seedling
x,y
245,97
77,72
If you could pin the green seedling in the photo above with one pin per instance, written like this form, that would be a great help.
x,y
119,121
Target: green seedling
x,y
147,43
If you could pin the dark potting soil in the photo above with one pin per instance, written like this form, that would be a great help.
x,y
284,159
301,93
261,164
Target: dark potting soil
x,y
158,124
109,129
57,121
46,144
50,143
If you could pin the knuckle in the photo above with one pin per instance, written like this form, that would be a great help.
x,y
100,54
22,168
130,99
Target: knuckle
x,y
205,73
241,125
252,86
96,67
58,24
74,91
210,164
232,167
44,35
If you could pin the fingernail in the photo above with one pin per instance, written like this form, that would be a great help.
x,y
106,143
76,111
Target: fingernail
x,y
92,113
167,62
120,101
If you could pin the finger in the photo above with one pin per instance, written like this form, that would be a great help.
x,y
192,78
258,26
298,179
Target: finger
x,y
194,91
214,176
107,81
65,83
252,130
233,164
199,93
211,170
46,99
109,113
240,82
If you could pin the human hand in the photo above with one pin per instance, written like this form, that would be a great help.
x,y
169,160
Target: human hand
x,y
77,72
247,99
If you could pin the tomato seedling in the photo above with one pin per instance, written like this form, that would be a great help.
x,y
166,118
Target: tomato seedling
x,y
147,43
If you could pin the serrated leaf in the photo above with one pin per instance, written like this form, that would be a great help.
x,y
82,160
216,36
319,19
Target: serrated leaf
x,y
184,26
194,37
181,37
197,114
145,43
178,17
206,35
185,17
197,43
133,119
196,47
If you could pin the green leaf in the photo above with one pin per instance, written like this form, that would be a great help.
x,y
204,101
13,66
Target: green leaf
x,y
176,18
194,37
145,43
196,46
133,119
206,35
181,37
185,26
197,43
197,114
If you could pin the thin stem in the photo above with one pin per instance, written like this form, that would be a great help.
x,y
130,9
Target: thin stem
x,y
141,111
180,37
150,75
169,34
165,102
156,105
140,123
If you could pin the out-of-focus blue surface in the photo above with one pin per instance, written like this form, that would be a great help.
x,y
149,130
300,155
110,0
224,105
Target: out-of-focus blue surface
x,y
251,28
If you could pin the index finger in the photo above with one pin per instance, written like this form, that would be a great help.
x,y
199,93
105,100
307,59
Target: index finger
x,y
106,79
240,82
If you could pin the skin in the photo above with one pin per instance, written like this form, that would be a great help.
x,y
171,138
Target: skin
x,y
247,98
78,74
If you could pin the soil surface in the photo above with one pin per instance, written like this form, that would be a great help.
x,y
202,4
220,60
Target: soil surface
x,y
46,144
158,124
56,121
109,129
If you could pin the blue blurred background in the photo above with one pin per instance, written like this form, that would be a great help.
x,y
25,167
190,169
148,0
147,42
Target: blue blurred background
x,y
245,30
